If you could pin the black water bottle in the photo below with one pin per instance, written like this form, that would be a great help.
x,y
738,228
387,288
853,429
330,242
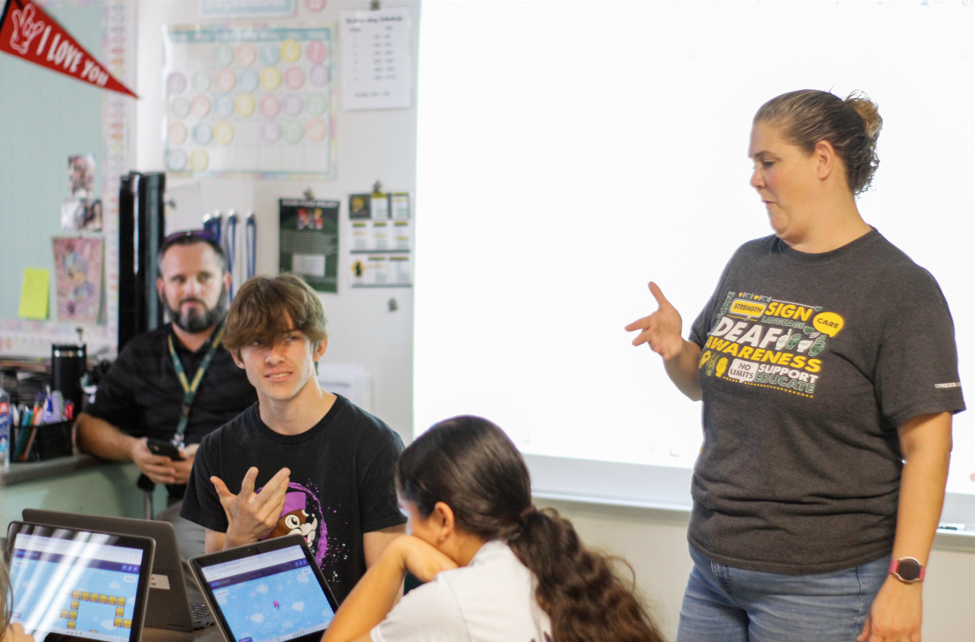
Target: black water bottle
x,y
68,365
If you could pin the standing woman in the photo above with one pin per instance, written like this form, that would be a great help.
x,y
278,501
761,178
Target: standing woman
x,y
501,571
827,366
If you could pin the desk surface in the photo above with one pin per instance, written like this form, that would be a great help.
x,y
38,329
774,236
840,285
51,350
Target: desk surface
x,y
22,473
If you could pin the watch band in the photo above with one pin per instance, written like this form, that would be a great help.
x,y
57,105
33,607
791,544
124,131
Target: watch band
x,y
907,569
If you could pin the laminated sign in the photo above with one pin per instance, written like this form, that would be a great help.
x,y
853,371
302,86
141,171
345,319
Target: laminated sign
x,y
29,33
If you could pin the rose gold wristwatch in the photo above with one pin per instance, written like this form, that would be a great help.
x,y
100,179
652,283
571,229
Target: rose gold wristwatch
x,y
907,569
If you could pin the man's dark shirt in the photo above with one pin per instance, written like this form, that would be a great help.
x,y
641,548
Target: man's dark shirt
x,y
142,395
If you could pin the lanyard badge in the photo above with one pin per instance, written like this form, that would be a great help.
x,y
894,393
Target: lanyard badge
x,y
190,387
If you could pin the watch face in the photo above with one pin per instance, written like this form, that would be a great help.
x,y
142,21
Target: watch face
x,y
908,569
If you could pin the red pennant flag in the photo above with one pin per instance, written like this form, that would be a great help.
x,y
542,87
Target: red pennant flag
x,y
29,33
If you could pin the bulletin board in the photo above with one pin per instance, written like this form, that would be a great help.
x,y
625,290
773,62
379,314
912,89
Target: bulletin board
x,y
49,117
249,102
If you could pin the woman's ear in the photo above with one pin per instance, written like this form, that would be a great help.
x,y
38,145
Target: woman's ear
x,y
825,159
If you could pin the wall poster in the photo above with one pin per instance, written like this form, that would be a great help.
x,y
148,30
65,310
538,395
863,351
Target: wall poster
x,y
381,249
78,274
249,102
309,241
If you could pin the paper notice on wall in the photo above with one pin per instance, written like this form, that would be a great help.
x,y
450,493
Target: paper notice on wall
x,y
381,252
400,205
401,236
382,271
377,71
352,381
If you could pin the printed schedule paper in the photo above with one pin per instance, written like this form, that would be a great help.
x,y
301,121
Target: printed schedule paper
x,y
377,72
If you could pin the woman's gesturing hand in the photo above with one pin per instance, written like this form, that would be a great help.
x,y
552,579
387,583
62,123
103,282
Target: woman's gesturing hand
x,y
662,329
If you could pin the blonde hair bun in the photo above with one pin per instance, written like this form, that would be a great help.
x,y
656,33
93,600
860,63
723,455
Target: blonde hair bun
x,y
868,111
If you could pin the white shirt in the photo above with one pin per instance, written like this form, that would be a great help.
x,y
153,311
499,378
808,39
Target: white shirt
x,y
489,600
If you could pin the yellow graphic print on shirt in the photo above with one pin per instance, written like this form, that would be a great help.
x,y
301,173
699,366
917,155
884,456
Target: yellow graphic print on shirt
x,y
768,342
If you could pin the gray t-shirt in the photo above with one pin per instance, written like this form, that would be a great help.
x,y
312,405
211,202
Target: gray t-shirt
x,y
809,364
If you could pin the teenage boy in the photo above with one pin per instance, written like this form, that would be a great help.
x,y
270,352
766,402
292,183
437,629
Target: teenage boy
x,y
301,460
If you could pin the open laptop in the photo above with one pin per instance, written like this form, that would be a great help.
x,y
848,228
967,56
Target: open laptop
x,y
270,591
70,583
171,607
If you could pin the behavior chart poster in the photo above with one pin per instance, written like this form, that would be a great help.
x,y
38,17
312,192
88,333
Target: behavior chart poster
x,y
249,102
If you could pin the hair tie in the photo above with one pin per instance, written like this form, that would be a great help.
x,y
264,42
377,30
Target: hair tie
x,y
528,512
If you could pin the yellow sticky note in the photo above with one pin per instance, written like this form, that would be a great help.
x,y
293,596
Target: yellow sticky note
x,y
34,294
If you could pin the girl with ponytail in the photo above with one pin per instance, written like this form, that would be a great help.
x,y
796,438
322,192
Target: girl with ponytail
x,y
498,569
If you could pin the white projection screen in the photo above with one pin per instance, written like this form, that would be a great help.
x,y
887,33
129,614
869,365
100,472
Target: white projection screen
x,y
569,152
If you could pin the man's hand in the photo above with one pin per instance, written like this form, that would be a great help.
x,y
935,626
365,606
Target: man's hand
x,y
251,515
184,468
158,468
661,330
895,615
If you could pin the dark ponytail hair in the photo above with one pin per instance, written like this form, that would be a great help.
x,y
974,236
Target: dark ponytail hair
x,y
469,464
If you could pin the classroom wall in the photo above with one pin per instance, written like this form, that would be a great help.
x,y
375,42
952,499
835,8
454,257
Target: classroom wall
x,y
382,145
372,145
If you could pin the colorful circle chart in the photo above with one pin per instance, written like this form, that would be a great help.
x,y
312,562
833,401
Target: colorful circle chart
x,y
246,55
254,101
270,55
316,130
202,134
175,83
290,50
294,78
248,81
180,107
270,132
318,75
315,104
270,106
223,133
177,133
223,106
223,55
315,52
201,82
245,105
200,106
292,105
294,132
270,78
225,81
176,160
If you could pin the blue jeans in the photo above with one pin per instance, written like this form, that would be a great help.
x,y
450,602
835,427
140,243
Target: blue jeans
x,y
725,604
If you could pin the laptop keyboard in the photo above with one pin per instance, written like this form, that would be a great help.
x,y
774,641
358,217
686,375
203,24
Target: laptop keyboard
x,y
201,615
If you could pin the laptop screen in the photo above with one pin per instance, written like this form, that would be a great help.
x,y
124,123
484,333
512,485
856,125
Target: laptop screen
x,y
269,597
76,583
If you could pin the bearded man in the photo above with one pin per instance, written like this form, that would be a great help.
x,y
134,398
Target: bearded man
x,y
173,384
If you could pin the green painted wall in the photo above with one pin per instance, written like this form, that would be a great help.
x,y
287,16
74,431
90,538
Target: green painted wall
x,y
44,118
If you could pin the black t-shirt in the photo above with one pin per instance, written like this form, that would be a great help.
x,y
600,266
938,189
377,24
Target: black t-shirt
x,y
809,364
342,482
142,396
